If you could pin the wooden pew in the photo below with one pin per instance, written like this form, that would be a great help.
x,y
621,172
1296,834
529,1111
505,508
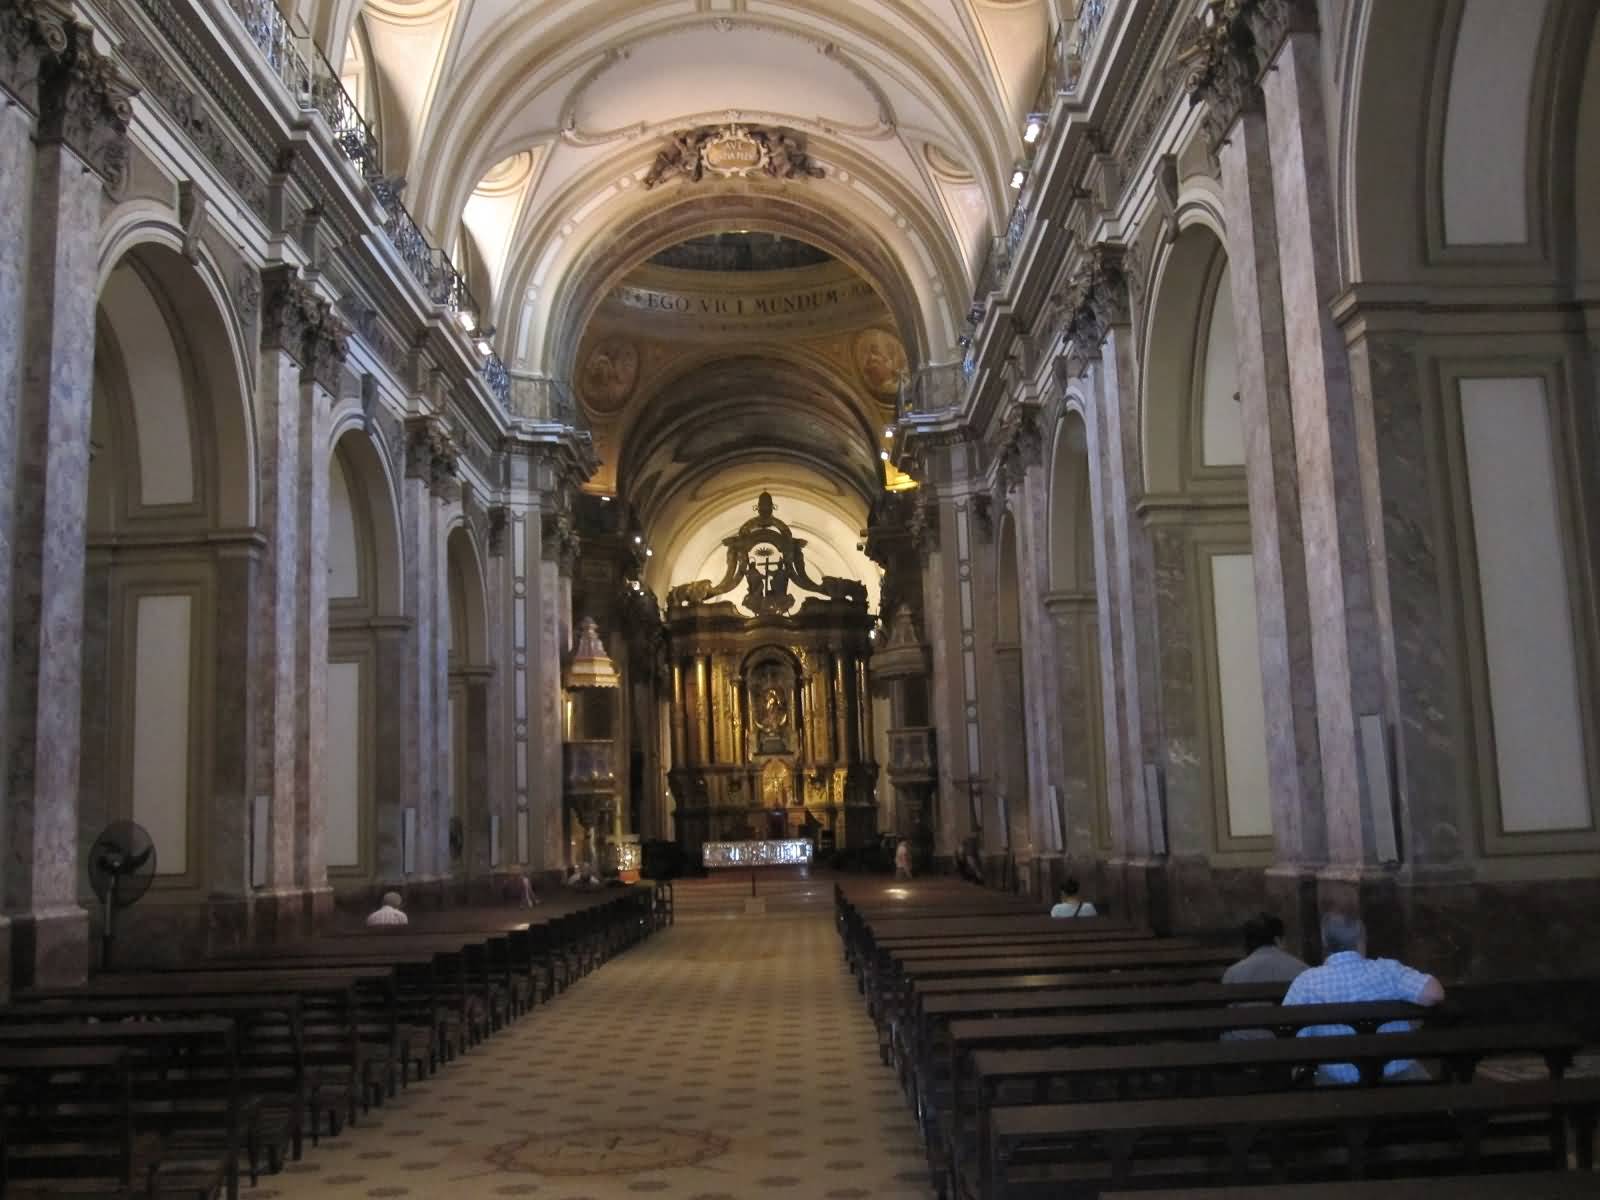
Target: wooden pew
x,y
1089,1149
159,1106
336,1059
271,1054
1546,1185
35,1146
1197,1068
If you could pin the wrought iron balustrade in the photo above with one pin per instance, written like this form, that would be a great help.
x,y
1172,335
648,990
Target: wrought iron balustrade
x,y
305,70
540,398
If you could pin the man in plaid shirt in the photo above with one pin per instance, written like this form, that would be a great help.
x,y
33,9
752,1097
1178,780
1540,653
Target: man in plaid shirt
x,y
1348,976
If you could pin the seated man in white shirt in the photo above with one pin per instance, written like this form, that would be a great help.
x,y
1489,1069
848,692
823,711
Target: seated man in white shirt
x,y
390,913
1348,976
1069,904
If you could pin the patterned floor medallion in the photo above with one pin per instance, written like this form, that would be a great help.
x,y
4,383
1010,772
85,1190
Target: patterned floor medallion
x,y
607,1150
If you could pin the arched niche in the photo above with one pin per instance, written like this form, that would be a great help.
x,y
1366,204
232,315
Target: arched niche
x,y
1193,428
473,848
1196,513
1071,602
169,508
364,600
1012,772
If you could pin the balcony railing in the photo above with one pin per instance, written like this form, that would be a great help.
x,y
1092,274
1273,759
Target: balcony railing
x,y
308,75
932,389
540,398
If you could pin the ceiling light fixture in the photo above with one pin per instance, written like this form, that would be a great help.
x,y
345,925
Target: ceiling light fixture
x,y
638,538
484,348
889,432
466,318
1033,129
1019,176
883,454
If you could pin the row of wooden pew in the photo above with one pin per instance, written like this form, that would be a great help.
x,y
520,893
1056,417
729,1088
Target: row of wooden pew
x,y
173,1083
1089,1058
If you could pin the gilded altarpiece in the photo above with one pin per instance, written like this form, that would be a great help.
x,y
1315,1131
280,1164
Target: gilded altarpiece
x,y
771,728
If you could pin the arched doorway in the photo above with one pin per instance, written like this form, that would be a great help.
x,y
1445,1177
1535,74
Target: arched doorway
x,y
166,695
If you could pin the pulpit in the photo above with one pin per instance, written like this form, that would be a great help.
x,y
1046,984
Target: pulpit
x,y
589,752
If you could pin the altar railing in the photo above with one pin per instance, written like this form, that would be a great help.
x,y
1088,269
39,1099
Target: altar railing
x,y
793,852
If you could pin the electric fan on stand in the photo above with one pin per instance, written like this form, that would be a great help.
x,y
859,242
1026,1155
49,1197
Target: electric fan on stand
x,y
122,862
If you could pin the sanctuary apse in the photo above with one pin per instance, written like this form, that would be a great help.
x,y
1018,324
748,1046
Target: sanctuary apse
x,y
1187,409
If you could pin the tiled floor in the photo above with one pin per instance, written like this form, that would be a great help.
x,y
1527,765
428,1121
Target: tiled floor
x,y
725,1059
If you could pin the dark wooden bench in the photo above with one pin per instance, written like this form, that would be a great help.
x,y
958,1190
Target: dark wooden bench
x,y
198,1113
271,1053
1084,1150
34,1145
1544,1185
1166,1069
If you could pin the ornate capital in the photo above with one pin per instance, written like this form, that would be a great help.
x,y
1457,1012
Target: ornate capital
x,y
983,515
1095,300
1022,445
431,455
1226,51
48,61
301,324
560,539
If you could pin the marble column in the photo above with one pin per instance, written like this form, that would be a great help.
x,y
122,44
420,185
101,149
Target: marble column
x,y
303,348
427,697
394,729
1074,729
1283,613
1344,628
1131,596
79,149
236,567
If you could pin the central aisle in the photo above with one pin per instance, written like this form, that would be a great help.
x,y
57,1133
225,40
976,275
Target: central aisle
x,y
724,1059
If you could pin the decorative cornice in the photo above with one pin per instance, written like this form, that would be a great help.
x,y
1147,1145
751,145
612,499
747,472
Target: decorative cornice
x,y
301,324
82,98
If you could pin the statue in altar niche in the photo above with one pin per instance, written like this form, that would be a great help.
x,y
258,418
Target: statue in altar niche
x,y
770,686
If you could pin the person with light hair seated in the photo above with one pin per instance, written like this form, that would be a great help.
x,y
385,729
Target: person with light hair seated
x,y
1348,976
389,913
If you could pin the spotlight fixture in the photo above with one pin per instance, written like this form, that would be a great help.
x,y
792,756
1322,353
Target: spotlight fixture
x,y
484,348
883,454
605,499
1019,176
1032,131
888,432
638,539
466,318
649,553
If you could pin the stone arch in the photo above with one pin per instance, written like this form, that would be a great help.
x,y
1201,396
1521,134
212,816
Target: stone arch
x,y
364,504
1192,430
170,510
1478,159
190,309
